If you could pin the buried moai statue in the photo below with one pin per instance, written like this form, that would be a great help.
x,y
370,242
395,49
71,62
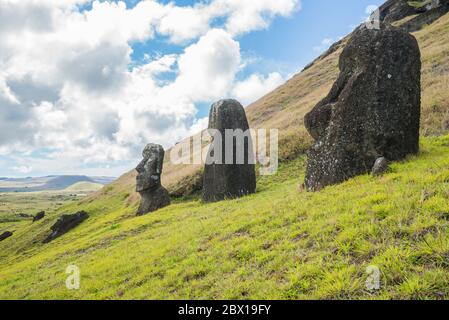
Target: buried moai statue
x,y
372,110
64,224
148,183
39,216
5,235
230,170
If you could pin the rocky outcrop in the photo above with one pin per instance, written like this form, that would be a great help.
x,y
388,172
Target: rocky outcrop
x,y
425,12
148,182
66,223
39,216
372,110
427,17
225,177
394,11
5,235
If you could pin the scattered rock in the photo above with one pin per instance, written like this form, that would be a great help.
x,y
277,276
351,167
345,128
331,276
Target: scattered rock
x,y
65,223
380,167
228,180
148,182
372,110
5,235
39,216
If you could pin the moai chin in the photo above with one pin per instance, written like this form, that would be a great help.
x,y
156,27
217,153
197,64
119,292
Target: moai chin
x,y
148,182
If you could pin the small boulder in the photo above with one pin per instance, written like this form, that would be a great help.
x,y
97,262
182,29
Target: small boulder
x,y
5,235
380,167
394,10
66,223
225,179
39,216
148,182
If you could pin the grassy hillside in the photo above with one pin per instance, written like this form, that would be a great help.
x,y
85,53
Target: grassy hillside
x,y
285,107
17,209
279,243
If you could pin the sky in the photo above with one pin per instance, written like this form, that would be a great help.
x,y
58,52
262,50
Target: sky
x,y
85,85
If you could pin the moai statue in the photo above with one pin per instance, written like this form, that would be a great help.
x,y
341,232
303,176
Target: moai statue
x,y
433,4
148,182
230,170
372,110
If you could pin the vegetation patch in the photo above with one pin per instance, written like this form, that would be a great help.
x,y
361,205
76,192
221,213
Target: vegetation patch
x,y
280,243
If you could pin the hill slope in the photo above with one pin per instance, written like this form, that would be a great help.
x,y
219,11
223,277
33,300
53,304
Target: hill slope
x,y
285,107
279,243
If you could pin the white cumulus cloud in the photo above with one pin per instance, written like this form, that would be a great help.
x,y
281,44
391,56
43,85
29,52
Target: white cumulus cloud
x,y
69,86
256,86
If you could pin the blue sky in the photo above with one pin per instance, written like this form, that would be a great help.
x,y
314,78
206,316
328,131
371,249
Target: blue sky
x,y
95,81
289,43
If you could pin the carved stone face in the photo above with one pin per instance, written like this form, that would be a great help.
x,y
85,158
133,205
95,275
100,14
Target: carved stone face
x,y
147,177
150,168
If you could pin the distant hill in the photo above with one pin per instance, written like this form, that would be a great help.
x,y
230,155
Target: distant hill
x,y
63,182
84,186
49,183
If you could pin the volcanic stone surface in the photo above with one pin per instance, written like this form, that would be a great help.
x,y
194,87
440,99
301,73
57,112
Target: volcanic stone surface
x,y
148,182
233,178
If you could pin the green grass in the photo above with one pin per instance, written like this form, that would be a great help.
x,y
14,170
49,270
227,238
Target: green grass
x,y
281,243
419,4
15,205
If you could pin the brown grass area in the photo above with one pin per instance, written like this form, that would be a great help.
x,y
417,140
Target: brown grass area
x,y
285,107
433,41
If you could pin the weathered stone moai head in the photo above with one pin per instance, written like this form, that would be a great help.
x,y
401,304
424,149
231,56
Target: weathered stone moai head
x,y
230,168
372,110
150,168
148,181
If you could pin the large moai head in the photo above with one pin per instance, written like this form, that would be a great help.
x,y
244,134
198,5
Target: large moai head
x,y
150,168
229,175
372,110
